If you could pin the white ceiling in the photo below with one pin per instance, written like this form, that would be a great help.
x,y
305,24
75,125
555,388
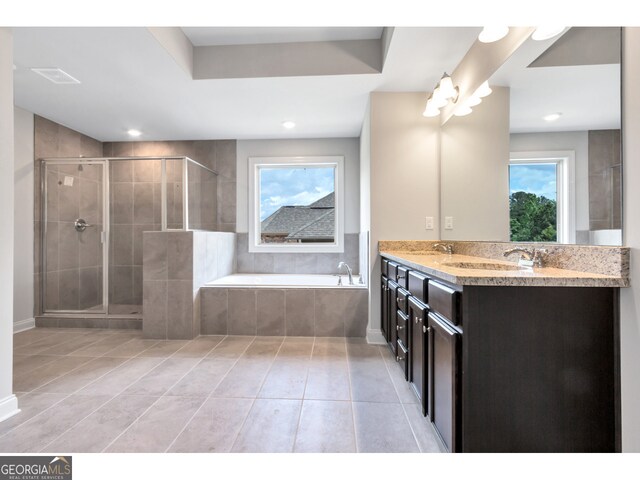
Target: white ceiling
x,y
201,36
130,81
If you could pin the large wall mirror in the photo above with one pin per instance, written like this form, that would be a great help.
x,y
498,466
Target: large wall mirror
x,y
562,179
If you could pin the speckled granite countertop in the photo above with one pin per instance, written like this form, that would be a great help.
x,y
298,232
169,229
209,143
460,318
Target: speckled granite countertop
x,y
439,265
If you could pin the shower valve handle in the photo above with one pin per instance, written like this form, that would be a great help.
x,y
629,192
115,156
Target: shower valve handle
x,y
80,225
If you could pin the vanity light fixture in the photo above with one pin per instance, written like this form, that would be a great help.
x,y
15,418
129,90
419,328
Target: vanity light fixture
x,y
462,110
444,93
288,124
483,90
545,33
493,34
134,133
552,117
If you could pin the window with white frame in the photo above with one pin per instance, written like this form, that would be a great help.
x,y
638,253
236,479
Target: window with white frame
x,y
296,204
542,197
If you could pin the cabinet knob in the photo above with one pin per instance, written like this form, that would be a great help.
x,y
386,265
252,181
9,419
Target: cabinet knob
x,y
399,358
400,300
417,319
399,327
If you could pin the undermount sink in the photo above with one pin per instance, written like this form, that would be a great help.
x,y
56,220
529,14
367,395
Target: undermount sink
x,y
483,266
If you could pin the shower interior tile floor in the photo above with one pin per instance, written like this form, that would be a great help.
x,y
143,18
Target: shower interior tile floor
x,y
86,390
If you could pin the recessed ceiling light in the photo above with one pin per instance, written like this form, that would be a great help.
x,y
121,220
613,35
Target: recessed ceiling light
x,y
134,133
288,124
493,34
55,75
545,33
552,117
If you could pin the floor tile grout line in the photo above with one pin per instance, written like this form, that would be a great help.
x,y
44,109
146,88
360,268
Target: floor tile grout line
x,y
206,399
159,397
244,421
353,410
77,349
404,411
39,352
36,368
304,391
66,397
109,400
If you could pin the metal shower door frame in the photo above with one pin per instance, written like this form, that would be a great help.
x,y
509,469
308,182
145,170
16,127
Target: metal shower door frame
x,y
104,234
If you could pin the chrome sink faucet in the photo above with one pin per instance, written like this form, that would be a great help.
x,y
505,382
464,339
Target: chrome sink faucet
x,y
445,247
529,257
349,272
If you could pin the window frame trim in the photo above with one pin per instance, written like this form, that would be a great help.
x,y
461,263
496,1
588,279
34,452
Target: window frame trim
x,y
254,165
565,161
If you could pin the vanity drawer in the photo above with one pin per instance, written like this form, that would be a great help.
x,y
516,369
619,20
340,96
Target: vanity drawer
x,y
444,300
402,357
418,286
402,300
385,267
402,326
392,270
402,275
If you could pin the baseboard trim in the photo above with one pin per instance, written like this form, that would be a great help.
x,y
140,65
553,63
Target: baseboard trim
x,y
22,325
375,337
8,407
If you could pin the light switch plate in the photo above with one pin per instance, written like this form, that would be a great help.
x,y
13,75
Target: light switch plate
x,y
428,223
448,223
68,181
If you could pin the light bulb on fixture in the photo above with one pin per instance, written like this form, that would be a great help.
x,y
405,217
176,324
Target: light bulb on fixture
x,y
446,87
545,33
483,90
437,99
493,34
431,110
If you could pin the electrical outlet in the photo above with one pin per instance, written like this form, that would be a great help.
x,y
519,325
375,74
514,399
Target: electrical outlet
x,y
448,223
429,223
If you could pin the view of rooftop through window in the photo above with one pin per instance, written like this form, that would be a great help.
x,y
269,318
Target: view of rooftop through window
x,y
297,204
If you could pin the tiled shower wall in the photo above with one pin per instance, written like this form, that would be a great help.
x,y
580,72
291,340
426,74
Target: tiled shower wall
x,y
605,180
218,155
322,263
54,140
134,202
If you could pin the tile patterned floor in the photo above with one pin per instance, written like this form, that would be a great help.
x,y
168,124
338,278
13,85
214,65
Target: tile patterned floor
x,y
112,391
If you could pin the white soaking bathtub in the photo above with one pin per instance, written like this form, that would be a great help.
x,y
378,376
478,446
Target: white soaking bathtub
x,y
272,280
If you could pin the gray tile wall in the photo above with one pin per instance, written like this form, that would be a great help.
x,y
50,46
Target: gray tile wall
x,y
219,155
318,263
306,312
175,266
74,260
605,181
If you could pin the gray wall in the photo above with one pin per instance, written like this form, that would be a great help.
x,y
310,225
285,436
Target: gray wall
x,y
8,401
474,164
403,158
630,297
23,220
605,170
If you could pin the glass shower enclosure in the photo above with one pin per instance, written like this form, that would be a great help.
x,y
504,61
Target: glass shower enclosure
x,y
93,215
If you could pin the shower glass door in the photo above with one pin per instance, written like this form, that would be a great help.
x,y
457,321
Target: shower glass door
x,y
74,218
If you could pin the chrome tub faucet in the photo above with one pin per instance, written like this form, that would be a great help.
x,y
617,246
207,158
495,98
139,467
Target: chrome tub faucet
x,y
349,272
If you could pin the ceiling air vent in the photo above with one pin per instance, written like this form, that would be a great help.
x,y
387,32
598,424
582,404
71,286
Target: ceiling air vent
x,y
55,75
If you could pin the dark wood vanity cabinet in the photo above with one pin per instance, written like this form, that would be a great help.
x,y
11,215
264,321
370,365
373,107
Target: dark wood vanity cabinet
x,y
509,368
443,372
418,345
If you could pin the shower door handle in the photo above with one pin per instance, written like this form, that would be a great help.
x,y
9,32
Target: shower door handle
x,y
80,225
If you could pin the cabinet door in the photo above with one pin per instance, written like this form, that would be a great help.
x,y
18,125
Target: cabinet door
x,y
384,309
443,346
392,307
417,347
